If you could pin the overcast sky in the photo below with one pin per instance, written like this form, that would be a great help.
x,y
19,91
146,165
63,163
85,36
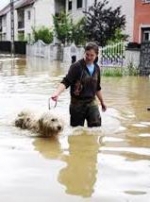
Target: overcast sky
x,y
3,3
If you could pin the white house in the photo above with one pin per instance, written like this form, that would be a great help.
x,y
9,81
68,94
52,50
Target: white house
x,y
27,14
76,8
34,14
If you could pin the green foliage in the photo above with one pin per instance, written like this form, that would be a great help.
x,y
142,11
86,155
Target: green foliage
x,y
131,70
102,22
112,71
78,34
21,37
120,71
117,37
63,27
44,34
67,31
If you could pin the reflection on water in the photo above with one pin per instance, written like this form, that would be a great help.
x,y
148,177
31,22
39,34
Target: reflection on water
x,y
109,164
79,175
80,157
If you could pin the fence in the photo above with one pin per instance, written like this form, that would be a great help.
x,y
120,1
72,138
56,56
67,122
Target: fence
x,y
145,58
39,49
111,55
54,52
19,47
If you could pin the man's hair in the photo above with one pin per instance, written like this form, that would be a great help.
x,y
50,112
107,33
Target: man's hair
x,y
93,46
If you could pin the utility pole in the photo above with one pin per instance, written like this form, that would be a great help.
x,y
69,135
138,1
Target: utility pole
x,y
12,26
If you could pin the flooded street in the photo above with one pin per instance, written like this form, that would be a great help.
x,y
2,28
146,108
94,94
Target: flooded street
x,y
107,164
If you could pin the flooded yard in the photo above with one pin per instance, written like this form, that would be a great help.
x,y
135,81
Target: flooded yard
x,y
107,164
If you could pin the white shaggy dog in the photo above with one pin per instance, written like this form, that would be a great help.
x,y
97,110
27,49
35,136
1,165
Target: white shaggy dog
x,y
45,124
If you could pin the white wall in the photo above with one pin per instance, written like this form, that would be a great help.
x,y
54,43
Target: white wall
x,y
29,23
127,8
44,9
40,15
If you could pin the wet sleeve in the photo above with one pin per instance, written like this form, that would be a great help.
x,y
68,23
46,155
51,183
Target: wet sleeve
x,y
99,80
71,76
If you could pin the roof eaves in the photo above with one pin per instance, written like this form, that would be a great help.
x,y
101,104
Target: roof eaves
x,y
5,10
24,4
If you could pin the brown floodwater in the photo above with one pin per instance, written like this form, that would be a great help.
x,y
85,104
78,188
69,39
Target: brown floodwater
x,y
107,164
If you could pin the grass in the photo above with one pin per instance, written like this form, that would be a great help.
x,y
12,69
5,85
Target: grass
x,y
119,71
112,71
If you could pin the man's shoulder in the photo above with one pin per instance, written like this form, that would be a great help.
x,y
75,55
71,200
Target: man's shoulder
x,y
78,63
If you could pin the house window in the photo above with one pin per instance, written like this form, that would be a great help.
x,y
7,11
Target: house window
x,y
0,24
4,22
29,15
145,34
4,37
70,5
79,3
146,1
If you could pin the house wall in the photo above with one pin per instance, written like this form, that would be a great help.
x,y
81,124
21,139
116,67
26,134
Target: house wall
x,y
141,18
29,23
44,9
127,9
40,15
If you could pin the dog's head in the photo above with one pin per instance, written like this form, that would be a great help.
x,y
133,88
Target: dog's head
x,y
50,125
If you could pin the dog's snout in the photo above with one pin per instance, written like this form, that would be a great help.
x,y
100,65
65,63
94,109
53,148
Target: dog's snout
x,y
59,127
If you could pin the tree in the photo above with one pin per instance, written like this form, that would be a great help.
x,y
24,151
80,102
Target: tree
x,y
101,22
63,27
78,34
44,34
67,31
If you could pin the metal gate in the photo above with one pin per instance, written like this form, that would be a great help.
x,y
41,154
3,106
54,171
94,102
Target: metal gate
x,y
112,55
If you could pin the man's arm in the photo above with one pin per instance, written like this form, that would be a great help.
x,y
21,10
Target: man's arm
x,y
100,97
58,91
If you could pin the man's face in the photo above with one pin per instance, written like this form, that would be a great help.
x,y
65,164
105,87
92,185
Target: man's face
x,y
90,56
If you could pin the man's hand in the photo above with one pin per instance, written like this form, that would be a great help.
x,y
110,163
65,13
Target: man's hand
x,y
104,107
54,97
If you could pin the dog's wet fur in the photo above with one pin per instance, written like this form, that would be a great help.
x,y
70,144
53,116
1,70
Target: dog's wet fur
x,y
45,124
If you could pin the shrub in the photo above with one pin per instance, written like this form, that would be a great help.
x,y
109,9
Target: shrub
x,y
44,34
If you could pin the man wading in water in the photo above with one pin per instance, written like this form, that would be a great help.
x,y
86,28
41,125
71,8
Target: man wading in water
x,y
83,78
